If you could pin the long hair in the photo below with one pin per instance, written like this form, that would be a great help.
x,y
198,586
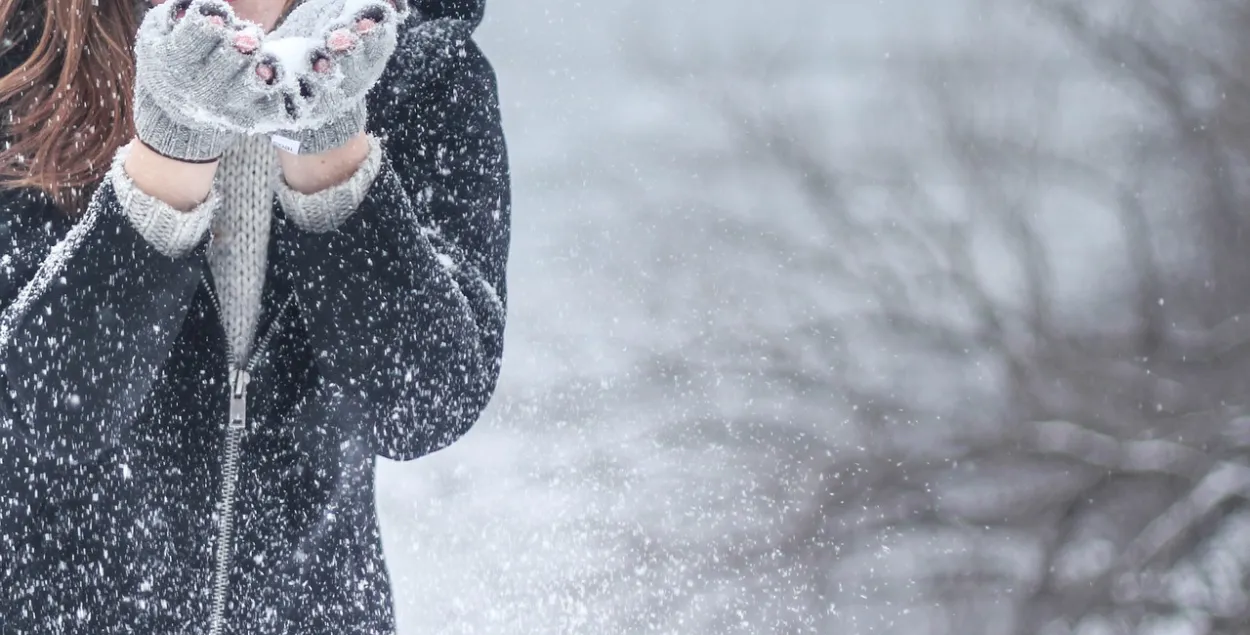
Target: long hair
x,y
68,104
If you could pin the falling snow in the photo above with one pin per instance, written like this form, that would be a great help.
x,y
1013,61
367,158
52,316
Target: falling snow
x,y
891,317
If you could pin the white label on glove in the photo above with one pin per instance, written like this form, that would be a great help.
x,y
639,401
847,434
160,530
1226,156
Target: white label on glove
x,y
283,143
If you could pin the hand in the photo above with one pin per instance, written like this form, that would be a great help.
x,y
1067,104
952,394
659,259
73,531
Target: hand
x,y
199,80
335,51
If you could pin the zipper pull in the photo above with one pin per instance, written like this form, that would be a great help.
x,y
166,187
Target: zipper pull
x,y
238,398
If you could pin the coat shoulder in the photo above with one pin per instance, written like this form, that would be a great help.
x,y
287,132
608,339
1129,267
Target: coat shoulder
x,y
427,55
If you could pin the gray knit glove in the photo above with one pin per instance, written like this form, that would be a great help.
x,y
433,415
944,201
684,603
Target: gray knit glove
x,y
337,50
200,80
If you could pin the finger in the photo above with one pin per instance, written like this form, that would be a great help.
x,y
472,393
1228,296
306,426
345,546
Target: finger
x,y
341,40
230,43
322,64
202,29
215,12
362,58
394,9
161,19
372,15
225,69
319,81
365,25
246,41
362,17
371,27
266,71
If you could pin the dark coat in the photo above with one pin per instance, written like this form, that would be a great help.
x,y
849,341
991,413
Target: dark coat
x,y
383,337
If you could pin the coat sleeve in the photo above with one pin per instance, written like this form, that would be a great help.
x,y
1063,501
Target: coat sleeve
x,y
404,302
90,312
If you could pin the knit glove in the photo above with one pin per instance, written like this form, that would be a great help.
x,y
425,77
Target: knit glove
x,y
199,81
334,52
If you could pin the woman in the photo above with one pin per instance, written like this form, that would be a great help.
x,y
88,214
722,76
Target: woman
x,y
237,263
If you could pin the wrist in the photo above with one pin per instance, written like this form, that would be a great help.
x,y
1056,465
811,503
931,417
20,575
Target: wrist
x,y
311,173
179,184
149,148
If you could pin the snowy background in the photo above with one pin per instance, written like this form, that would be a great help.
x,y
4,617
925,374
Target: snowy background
x,y
856,316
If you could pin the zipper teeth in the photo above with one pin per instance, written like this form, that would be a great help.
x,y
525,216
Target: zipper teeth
x,y
230,467
261,344
212,295
225,532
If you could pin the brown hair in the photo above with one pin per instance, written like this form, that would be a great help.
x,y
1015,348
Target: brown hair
x,y
68,103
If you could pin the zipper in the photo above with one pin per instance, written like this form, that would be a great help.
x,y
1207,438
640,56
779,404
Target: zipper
x,y
236,425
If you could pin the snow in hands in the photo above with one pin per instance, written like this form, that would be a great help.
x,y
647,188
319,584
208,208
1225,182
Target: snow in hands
x,y
340,48
204,75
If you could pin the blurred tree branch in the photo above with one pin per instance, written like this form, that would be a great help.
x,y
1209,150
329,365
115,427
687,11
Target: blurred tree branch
x,y
908,278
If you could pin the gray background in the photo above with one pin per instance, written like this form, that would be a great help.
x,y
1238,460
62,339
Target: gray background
x,y
851,316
